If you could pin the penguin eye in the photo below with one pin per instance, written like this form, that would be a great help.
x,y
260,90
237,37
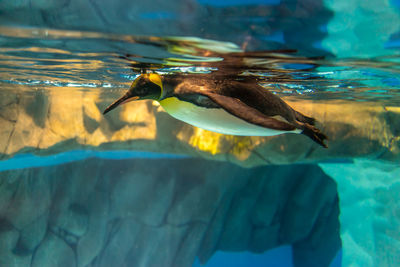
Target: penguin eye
x,y
141,90
146,88
141,87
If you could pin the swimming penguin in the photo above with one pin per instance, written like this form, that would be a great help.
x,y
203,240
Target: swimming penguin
x,y
227,106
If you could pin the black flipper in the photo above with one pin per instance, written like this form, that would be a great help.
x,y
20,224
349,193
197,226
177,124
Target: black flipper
x,y
239,109
315,134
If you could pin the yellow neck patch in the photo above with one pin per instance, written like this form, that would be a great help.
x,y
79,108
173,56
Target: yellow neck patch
x,y
155,78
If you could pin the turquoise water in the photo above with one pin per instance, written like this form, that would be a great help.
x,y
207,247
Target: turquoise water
x,y
73,195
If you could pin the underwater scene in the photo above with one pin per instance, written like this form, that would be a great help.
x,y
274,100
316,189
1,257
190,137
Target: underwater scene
x,y
204,133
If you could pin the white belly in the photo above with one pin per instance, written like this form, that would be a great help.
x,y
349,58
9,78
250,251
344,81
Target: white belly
x,y
216,120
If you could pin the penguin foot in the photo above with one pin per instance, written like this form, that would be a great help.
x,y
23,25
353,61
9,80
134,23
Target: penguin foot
x,y
315,134
304,119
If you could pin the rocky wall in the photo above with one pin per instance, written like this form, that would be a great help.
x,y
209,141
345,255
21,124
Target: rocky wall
x,y
163,212
180,18
43,122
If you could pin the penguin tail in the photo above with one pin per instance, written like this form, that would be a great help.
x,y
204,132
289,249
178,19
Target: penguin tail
x,y
304,119
315,134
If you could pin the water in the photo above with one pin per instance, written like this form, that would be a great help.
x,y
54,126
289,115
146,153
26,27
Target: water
x,y
138,188
92,61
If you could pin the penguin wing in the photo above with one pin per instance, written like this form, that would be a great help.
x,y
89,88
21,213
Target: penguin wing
x,y
239,109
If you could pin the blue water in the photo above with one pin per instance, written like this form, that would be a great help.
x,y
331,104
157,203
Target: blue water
x,y
277,257
239,2
343,51
22,161
273,258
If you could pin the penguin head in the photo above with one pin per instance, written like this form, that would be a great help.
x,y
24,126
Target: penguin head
x,y
146,86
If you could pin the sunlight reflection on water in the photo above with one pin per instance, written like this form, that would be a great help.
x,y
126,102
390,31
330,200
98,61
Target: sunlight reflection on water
x,y
96,61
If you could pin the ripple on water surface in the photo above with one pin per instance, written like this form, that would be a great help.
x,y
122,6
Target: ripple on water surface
x,y
48,59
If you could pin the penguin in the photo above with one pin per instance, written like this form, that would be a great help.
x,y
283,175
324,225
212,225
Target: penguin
x,y
222,105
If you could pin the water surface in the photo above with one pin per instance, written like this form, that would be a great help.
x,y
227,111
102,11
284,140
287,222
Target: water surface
x,y
54,60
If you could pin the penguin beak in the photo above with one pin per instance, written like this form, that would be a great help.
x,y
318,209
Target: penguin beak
x,y
124,99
